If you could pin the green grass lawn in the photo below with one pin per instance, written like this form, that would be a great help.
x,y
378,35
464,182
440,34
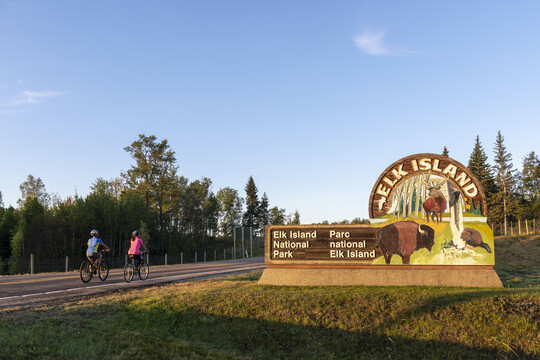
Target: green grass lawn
x,y
235,317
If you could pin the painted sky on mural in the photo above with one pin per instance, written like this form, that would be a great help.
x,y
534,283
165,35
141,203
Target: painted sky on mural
x,y
312,99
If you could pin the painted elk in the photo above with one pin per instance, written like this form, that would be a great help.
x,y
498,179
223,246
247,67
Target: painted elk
x,y
435,204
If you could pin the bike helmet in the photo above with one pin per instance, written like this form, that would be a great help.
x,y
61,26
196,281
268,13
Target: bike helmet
x,y
136,233
94,232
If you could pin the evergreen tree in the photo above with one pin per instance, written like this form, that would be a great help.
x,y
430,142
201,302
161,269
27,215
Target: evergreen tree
x,y
251,215
530,177
263,213
479,166
445,152
504,177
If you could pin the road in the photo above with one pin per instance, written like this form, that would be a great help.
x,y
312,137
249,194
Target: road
x,y
20,290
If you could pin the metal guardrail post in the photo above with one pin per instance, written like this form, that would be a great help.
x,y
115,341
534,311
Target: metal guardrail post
x,y
31,263
181,257
215,251
67,263
204,255
165,258
195,256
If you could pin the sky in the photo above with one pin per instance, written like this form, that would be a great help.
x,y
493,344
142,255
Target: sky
x,y
314,99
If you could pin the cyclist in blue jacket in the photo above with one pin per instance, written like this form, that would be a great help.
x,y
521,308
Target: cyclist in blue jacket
x,y
94,242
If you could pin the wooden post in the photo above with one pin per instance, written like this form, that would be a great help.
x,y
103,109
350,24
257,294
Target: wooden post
x,y
242,241
215,252
204,255
527,226
250,241
31,263
195,256
182,257
234,244
511,228
519,224
224,254
165,258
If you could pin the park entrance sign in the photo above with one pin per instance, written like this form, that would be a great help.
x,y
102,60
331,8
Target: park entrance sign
x,y
428,227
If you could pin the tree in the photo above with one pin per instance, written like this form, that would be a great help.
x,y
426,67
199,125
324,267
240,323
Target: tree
x,y
263,213
530,177
251,214
195,212
153,176
479,166
295,219
504,175
445,152
33,188
8,223
230,210
277,216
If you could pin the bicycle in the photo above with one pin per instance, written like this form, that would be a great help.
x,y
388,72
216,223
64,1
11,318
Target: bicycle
x,y
140,267
88,269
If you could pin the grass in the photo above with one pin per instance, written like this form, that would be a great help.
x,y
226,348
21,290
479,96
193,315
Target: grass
x,y
232,318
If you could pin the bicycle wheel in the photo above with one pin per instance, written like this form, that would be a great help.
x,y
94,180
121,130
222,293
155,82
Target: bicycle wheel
x,y
86,271
103,270
128,272
143,271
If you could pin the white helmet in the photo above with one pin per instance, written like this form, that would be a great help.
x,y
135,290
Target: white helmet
x,y
94,232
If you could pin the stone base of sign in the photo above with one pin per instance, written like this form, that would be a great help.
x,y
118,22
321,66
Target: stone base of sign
x,y
381,277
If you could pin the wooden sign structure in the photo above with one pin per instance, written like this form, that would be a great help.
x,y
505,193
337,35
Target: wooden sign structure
x,y
428,227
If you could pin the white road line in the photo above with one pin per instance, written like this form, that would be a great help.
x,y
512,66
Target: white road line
x,y
252,267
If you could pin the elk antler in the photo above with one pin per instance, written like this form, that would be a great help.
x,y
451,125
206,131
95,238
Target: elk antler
x,y
426,182
442,181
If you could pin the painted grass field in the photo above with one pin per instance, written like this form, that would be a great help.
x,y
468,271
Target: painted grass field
x,y
233,317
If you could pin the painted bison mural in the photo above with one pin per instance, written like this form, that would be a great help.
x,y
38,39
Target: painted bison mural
x,y
403,238
474,238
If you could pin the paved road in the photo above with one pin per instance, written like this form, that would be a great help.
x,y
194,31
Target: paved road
x,y
27,289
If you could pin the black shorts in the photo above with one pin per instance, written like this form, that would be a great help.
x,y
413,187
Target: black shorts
x,y
135,257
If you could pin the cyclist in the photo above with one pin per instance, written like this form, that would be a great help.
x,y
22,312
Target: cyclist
x,y
136,243
93,244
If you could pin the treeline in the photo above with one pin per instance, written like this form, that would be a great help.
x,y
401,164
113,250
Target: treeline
x,y
177,215
511,194
174,214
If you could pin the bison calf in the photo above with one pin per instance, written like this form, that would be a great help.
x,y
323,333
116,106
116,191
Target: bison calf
x,y
403,238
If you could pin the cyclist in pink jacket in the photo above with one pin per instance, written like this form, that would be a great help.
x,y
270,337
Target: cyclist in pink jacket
x,y
136,244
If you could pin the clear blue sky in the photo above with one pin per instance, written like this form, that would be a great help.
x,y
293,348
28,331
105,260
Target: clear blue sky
x,y
314,99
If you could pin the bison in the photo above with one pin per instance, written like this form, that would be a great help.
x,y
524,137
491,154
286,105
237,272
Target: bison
x,y
474,238
403,238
